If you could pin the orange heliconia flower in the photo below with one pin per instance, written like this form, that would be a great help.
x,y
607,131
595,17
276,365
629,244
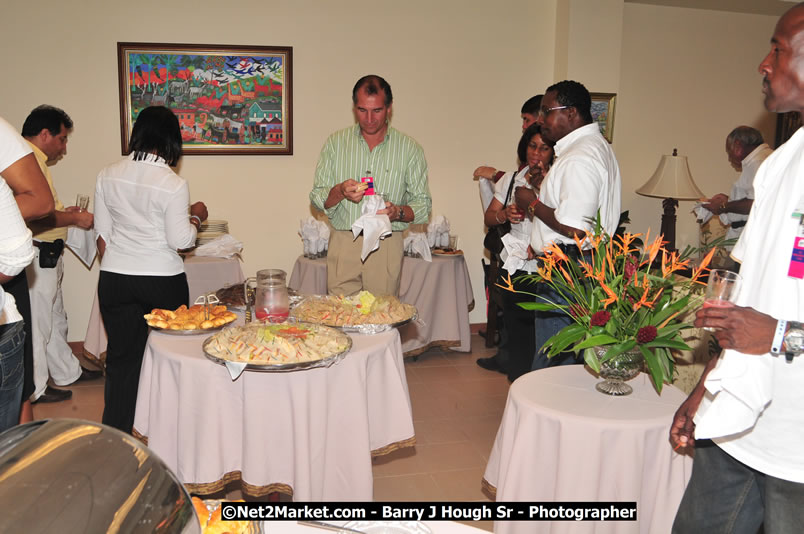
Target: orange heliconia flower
x,y
696,272
509,285
552,248
612,296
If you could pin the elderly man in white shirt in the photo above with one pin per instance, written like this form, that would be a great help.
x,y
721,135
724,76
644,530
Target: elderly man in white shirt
x,y
746,150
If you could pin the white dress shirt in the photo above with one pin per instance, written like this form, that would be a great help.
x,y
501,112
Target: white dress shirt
x,y
16,250
142,213
584,178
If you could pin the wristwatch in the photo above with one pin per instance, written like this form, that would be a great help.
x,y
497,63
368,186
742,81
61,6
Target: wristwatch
x,y
793,340
532,208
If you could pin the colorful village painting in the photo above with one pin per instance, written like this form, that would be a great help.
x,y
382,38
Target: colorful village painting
x,y
228,99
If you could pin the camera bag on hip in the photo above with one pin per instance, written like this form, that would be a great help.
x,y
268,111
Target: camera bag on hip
x,y
49,253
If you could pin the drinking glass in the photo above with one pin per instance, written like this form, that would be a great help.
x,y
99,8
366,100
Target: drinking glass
x,y
82,201
453,242
721,290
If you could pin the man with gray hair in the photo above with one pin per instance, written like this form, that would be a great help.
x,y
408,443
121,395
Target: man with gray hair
x,y
746,151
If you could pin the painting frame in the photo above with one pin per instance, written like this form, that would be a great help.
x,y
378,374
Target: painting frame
x,y
603,105
230,99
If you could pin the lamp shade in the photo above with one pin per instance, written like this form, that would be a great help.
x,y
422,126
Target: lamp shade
x,y
672,179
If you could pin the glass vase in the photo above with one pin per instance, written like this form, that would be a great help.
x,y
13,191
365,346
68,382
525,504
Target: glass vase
x,y
618,370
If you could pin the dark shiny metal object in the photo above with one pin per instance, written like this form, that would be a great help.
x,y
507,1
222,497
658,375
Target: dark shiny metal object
x,y
71,476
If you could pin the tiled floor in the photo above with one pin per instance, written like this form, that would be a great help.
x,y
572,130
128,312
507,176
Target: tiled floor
x,y
457,407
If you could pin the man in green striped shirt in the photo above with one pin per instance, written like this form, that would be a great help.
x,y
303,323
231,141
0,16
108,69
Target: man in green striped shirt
x,y
397,165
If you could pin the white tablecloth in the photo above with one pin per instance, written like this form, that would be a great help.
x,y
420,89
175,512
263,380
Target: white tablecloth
x,y
440,290
204,274
310,433
561,440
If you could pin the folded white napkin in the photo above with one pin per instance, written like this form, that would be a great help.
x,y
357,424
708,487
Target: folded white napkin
x,y
738,390
224,246
83,244
438,232
416,242
235,368
322,243
702,214
486,192
515,253
373,226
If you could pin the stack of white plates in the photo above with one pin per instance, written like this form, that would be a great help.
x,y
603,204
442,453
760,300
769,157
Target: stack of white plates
x,y
210,230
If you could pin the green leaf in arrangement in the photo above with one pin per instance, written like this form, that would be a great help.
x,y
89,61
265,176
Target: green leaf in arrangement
x,y
594,341
655,368
563,339
590,358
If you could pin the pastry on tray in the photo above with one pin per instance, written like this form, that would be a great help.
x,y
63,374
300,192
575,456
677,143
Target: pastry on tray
x,y
193,318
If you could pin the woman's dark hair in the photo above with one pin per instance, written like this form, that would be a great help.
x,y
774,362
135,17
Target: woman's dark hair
x,y
156,131
522,148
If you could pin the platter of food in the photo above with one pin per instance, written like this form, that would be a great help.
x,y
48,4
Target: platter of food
x,y
232,296
364,313
446,252
184,321
288,346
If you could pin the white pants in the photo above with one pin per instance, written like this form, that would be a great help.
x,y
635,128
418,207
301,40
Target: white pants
x,y
51,353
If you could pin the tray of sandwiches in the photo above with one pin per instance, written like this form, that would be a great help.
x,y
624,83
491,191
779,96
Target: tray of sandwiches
x,y
278,347
363,313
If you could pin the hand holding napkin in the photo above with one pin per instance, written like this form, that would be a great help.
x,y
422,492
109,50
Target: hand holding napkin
x,y
702,214
83,244
515,253
416,242
738,390
373,226
224,246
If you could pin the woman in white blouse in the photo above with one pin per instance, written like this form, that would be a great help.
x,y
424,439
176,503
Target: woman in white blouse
x,y
517,346
141,220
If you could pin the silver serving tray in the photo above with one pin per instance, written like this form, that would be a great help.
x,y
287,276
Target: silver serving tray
x,y
281,367
365,329
195,332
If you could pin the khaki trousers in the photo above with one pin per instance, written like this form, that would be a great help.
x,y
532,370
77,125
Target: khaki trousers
x,y
347,275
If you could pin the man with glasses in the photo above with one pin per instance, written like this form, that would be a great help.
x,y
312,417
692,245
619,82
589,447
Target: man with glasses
x,y
583,181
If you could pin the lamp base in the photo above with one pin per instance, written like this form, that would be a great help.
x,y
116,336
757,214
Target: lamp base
x,y
669,223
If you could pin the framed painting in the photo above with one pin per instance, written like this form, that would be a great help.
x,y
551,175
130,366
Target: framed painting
x,y
603,113
228,99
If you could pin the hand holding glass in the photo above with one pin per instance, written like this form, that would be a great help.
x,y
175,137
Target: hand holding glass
x,y
721,290
82,201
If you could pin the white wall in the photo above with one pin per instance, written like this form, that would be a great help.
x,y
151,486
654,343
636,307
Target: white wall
x,y
688,77
459,69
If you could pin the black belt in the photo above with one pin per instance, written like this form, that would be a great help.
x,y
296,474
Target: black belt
x,y
738,224
571,250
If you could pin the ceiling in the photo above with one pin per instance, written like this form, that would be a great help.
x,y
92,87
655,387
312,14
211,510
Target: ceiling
x,y
757,7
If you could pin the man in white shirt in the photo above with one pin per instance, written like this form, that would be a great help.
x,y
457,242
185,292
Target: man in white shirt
x,y
47,130
750,401
16,252
746,150
583,181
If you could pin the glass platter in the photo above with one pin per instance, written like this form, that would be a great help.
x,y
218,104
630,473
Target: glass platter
x,y
282,367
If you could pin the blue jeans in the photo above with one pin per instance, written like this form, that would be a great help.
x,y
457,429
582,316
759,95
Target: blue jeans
x,y
727,496
548,324
12,342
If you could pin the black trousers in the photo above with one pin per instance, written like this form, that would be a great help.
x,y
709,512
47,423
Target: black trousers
x,y
520,339
123,300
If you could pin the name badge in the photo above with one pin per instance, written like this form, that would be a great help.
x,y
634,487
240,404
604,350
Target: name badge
x,y
796,269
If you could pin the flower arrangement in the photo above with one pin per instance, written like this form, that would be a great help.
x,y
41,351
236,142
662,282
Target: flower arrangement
x,y
617,299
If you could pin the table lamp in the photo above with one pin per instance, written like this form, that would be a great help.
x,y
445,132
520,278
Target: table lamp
x,y
672,181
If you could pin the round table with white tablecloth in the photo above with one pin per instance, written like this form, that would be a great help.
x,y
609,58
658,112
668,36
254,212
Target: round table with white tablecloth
x,y
204,274
308,433
440,290
561,440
